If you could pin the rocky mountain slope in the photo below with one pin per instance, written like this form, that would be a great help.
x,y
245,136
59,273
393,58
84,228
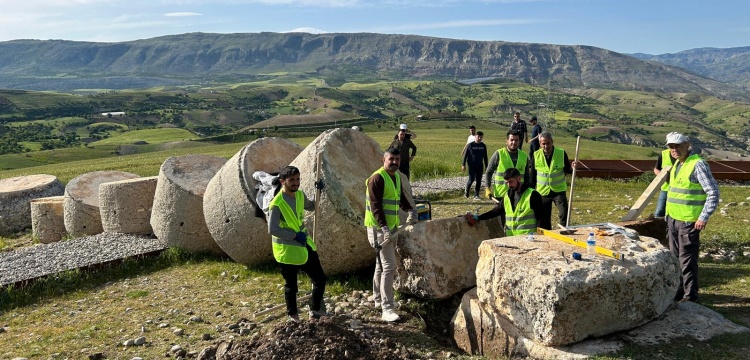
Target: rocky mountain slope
x,y
730,65
59,64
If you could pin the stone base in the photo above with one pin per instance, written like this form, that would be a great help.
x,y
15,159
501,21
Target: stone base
x,y
47,219
81,204
125,206
16,194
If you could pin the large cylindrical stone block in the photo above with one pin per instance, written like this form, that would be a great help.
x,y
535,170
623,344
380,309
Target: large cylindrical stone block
x,y
177,214
349,157
229,204
81,202
125,206
47,219
16,194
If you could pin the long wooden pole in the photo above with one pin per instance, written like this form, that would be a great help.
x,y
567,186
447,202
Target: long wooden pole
x,y
317,196
572,184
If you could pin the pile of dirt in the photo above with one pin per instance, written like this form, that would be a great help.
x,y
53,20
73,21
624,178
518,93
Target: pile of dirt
x,y
327,338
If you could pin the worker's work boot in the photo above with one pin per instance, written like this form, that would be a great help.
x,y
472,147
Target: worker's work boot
x,y
412,218
390,315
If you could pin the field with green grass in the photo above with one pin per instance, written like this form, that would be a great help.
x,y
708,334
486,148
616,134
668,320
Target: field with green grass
x,y
77,313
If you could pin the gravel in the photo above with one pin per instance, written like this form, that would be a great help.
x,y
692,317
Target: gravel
x,y
432,186
45,259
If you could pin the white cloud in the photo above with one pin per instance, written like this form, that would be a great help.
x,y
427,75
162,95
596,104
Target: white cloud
x,y
308,30
181,14
454,24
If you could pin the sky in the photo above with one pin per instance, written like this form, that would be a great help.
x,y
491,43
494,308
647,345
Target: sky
x,y
626,26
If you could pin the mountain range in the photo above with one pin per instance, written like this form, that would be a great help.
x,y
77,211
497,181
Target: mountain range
x,y
198,57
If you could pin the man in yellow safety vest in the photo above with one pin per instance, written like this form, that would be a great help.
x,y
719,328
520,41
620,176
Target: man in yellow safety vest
x,y
293,248
691,199
547,173
503,159
383,197
519,209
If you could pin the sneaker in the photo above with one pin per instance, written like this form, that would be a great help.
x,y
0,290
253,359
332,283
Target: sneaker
x,y
476,197
390,316
315,315
292,318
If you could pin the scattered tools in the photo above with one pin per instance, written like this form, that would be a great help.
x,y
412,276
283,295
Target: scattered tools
x,y
609,229
563,255
565,231
599,250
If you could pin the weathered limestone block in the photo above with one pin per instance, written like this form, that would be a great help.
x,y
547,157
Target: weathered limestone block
x,y
15,196
684,320
177,213
229,204
349,158
437,259
477,332
125,206
554,302
47,223
81,204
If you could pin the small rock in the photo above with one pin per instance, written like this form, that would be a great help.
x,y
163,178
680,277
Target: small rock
x,y
223,274
178,332
235,277
189,312
588,211
97,356
181,353
218,313
128,342
128,309
206,337
197,319
175,349
140,341
137,358
2,330
163,325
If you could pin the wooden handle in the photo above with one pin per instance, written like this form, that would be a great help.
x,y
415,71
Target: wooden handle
x,y
572,183
317,196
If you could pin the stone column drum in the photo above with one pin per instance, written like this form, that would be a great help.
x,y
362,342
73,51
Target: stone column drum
x,y
177,214
15,196
125,206
348,157
229,204
81,202
47,219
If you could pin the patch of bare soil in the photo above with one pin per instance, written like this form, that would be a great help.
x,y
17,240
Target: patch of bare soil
x,y
327,338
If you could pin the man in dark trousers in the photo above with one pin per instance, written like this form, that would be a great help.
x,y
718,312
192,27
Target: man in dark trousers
x,y
691,199
383,197
293,248
547,174
519,126
536,129
404,144
476,157
520,209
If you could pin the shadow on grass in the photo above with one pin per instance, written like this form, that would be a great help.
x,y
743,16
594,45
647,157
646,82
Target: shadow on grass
x,y
728,347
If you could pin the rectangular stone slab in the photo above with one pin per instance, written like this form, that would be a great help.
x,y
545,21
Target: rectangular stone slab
x,y
556,302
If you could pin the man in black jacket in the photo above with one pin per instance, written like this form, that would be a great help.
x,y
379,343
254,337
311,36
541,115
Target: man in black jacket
x,y
476,157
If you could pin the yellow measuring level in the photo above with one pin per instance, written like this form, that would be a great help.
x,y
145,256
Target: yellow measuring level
x,y
599,250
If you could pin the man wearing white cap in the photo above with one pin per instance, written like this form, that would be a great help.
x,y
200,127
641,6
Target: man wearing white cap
x,y
403,143
691,199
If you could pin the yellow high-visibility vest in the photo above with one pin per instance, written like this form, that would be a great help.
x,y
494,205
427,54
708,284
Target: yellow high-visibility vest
x,y
391,199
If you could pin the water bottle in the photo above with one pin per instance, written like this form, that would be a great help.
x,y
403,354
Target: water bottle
x,y
591,246
530,237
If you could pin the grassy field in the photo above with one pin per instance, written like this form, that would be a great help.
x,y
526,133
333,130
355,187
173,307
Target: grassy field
x,y
151,136
78,313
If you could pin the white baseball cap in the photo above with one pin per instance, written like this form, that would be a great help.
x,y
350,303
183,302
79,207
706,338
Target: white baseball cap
x,y
402,127
676,138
